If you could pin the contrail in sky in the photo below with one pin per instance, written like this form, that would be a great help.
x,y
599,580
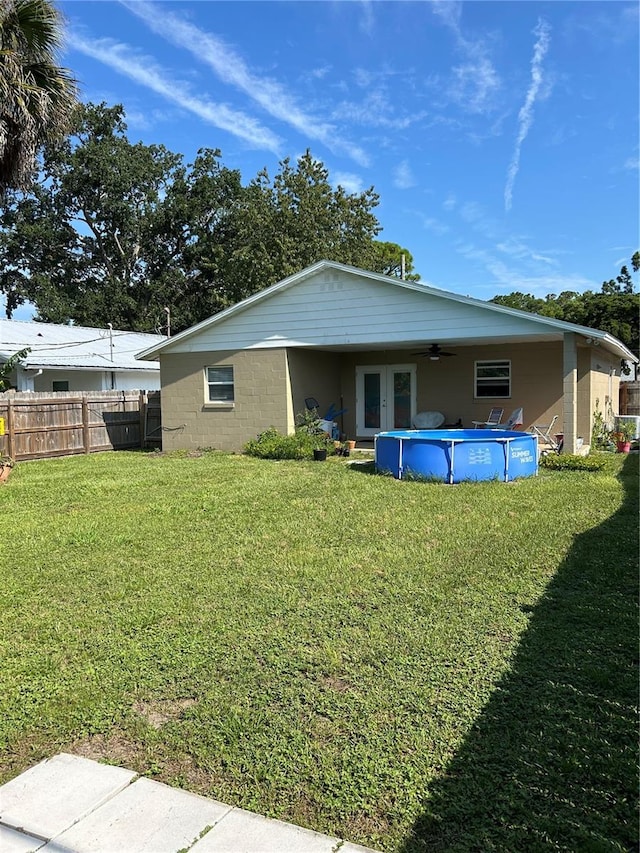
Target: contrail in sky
x,y
525,116
231,68
144,71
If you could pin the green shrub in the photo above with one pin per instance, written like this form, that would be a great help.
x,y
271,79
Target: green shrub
x,y
570,462
271,444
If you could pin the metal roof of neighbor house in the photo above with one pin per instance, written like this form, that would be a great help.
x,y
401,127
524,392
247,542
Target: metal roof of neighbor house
x,y
546,325
77,347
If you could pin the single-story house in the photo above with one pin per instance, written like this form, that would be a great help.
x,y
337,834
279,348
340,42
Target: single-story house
x,y
77,358
382,349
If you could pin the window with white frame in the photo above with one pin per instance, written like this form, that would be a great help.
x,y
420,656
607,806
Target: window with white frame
x,y
493,379
219,384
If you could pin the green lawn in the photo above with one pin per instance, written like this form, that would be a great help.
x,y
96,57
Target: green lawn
x,y
411,666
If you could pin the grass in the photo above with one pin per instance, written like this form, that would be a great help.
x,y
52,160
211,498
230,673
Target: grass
x,y
411,666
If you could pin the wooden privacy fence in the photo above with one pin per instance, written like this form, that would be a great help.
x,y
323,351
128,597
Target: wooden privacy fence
x,y
40,424
629,398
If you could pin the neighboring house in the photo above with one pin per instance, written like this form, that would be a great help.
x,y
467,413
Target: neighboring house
x,y
354,339
75,358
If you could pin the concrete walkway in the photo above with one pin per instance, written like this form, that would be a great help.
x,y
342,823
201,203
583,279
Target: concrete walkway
x,y
70,804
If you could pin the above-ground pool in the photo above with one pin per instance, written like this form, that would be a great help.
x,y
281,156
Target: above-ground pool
x,y
457,455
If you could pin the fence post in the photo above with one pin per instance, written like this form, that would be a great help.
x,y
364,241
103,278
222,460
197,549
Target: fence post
x,y
86,437
622,398
9,427
142,404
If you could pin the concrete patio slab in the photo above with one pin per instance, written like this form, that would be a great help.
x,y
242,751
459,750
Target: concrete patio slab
x,y
146,817
12,841
245,832
50,797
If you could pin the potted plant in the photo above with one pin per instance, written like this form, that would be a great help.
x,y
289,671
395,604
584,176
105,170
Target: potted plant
x,y
309,422
624,433
6,464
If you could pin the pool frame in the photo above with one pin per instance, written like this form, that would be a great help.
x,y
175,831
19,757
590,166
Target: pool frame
x,y
447,440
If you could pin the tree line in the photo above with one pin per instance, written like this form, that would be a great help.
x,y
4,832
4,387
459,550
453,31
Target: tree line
x,y
615,309
115,231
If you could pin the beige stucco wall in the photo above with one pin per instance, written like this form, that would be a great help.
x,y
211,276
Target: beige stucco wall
x,y
261,399
604,381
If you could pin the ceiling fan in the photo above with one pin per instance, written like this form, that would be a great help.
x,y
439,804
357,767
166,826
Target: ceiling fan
x,y
434,353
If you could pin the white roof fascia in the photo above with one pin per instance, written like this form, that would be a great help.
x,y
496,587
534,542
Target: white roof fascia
x,y
151,367
560,325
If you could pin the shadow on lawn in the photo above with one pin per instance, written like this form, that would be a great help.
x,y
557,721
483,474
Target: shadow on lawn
x,y
551,762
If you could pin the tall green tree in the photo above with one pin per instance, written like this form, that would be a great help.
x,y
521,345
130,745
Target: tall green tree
x,y
391,259
80,244
294,220
622,283
37,95
116,232
195,231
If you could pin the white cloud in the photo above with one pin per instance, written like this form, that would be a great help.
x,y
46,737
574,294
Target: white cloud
x,y
632,163
508,278
475,80
475,84
515,248
525,116
367,21
403,177
450,202
382,104
350,183
145,72
449,12
479,219
319,73
376,110
231,68
433,225
138,119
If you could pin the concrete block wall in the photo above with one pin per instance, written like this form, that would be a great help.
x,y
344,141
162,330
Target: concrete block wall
x,y
190,421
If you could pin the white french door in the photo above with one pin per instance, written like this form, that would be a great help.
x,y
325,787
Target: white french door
x,y
385,398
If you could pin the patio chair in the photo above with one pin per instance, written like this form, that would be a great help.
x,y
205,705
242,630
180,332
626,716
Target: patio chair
x,y
516,419
495,416
543,433
331,414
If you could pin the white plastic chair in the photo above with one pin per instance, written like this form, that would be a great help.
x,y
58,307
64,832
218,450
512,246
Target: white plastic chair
x,y
495,416
516,419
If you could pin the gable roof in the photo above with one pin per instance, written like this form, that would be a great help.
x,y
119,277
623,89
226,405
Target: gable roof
x,y
78,347
453,318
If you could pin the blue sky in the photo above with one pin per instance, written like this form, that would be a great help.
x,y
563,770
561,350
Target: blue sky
x,y
502,137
